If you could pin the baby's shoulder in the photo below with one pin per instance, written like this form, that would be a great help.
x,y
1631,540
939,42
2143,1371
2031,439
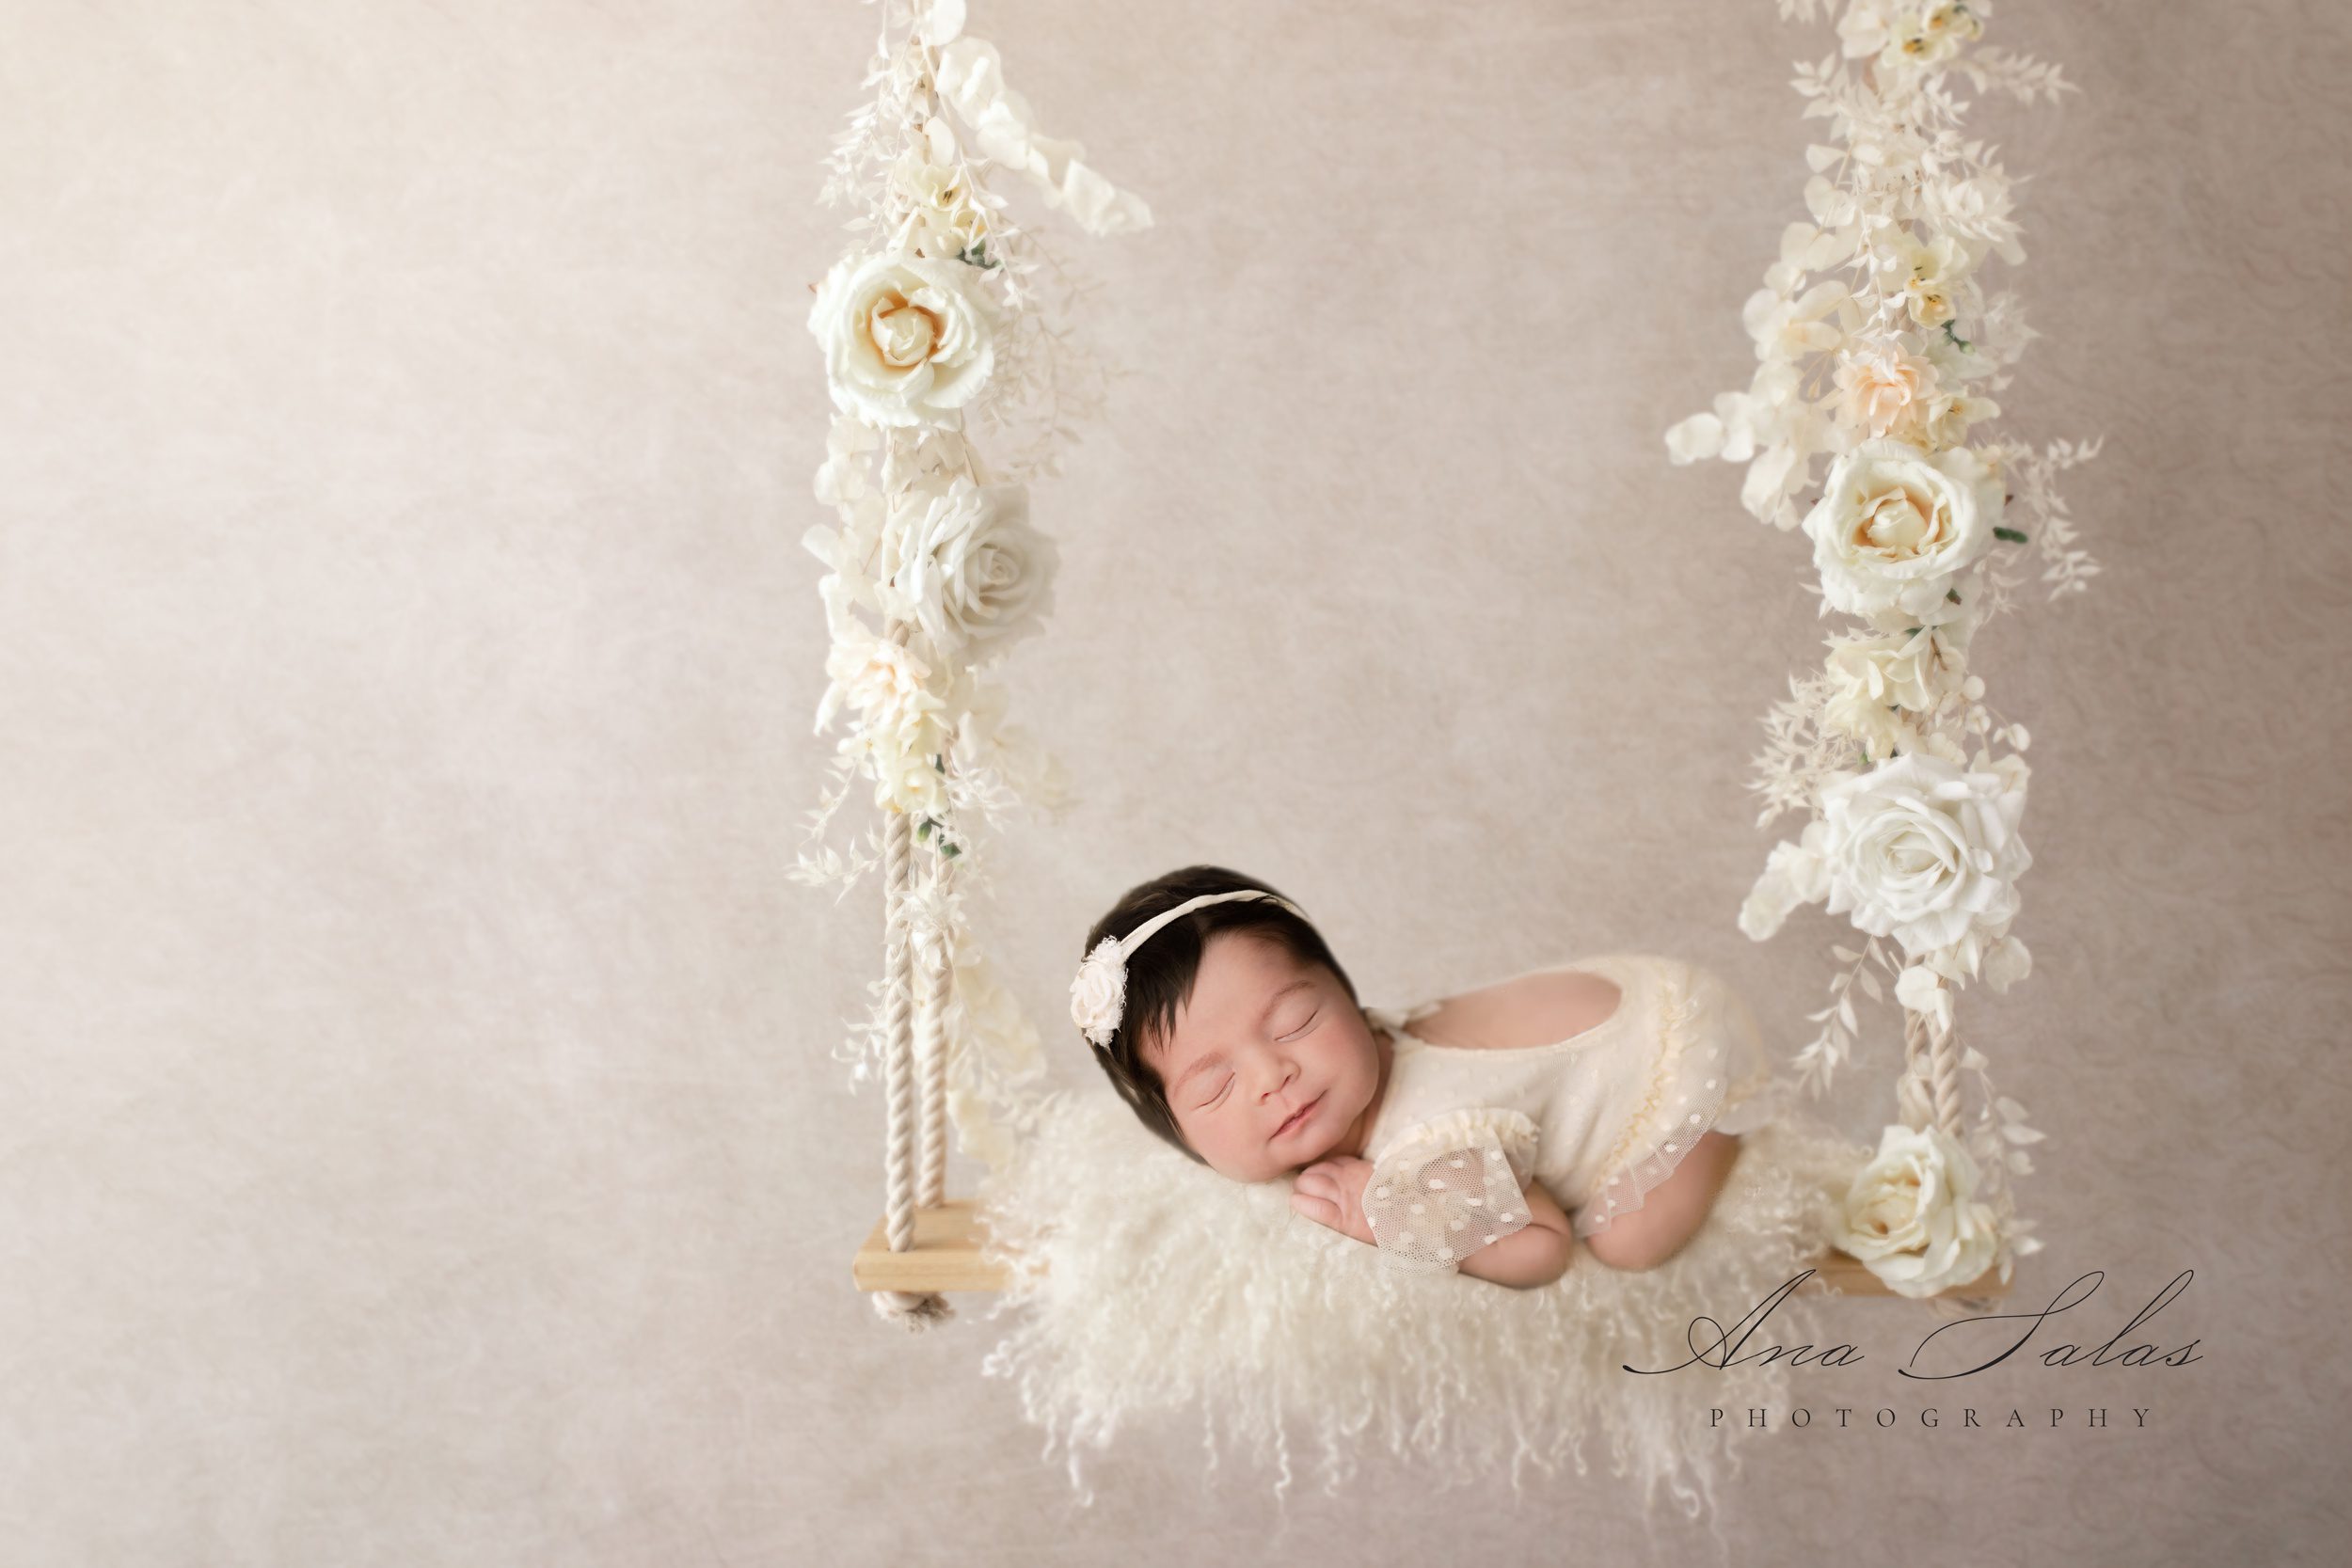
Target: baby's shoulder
x,y
1542,1007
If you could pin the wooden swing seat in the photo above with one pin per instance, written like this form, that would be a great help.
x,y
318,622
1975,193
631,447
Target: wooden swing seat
x,y
947,1257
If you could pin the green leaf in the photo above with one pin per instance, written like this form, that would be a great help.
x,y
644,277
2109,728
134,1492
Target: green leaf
x,y
2015,536
951,852
1952,594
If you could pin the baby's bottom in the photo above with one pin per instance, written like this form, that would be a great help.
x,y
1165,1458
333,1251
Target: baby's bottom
x,y
1670,1211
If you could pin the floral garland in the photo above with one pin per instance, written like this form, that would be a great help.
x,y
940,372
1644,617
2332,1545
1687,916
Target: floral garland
x,y
1887,372
935,318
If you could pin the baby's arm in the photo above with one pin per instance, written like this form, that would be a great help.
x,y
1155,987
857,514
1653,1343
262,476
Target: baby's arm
x,y
1331,1192
1535,1254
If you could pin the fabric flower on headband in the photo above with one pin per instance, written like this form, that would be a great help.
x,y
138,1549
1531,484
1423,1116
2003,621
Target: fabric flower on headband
x,y
1098,996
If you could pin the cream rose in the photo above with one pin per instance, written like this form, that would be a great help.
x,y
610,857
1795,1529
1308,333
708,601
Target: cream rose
x,y
1896,526
1913,1217
976,575
906,341
1920,850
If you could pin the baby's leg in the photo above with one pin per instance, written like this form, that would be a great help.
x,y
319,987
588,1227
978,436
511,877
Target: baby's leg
x,y
1670,1211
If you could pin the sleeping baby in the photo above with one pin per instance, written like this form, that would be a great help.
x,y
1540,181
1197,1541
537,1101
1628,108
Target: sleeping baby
x,y
1485,1132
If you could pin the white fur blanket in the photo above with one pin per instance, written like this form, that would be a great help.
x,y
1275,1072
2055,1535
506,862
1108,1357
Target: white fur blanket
x,y
1144,1283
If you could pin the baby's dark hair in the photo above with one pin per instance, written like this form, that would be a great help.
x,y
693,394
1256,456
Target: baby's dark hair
x,y
1160,975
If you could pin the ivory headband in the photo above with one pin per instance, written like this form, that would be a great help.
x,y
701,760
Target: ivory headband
x,y
1098,997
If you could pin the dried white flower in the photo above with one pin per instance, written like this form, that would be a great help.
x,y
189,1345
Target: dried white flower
x,y
1794,874
1883,687
900,726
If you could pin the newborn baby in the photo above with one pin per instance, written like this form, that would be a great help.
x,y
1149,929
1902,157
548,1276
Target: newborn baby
x,y
1599,1100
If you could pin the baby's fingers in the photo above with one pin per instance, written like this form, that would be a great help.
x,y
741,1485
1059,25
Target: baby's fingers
x,y
1320,1210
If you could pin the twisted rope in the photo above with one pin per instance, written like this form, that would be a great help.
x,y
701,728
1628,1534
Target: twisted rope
x,y
1943,1070
934,1051
912,1309
1931,1055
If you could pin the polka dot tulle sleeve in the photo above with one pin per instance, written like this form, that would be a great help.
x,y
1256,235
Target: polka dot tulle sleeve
x,y
1449,1187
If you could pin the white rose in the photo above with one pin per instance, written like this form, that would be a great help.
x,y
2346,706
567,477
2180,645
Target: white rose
x,y
1913,1217
974,573
1922,850
906,341
1896,526
1794,874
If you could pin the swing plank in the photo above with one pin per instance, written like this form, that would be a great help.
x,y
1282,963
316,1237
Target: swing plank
x,y
947,1257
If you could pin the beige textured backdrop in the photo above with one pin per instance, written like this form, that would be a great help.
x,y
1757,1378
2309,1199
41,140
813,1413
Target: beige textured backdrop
x,y
420,1142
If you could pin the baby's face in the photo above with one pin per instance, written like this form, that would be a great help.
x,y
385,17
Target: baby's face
x,y
1263,1036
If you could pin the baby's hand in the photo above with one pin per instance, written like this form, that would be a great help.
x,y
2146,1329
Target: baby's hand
x,y
1331,1192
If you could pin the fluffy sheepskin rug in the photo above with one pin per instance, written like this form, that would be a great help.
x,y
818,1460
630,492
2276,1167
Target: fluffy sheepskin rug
x,y
1145,1284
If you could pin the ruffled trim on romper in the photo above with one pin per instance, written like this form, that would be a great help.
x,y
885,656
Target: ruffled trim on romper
x,y
1711,1076
1449,1185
